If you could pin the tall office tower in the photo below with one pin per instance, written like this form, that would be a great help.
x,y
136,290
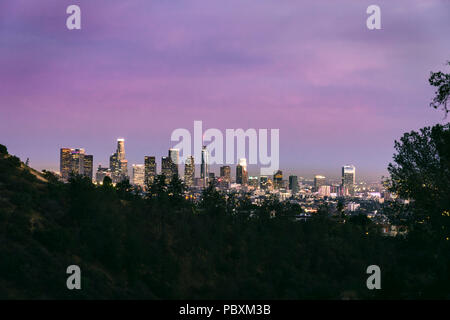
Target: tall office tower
x,y
278,179
225,173
174,155
65,163
348,179
75,161
189,171
123,168
114,163
293,184
88,166
102,172
138,175
204,167
166,168
150,170
318,182
241,172
117,162
263,182
121,149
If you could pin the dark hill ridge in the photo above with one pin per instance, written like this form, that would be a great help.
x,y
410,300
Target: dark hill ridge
x,y
165,248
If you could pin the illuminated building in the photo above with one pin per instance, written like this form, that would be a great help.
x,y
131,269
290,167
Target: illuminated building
x,y
167,168
204,166
149,170
139,175
278,179
264,182
189,171
293,184
75,161
174,155
348,179
241,172
318,182
118,164
65,163
225,173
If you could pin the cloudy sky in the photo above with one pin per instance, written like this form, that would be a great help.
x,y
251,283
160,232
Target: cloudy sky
x,y
138,69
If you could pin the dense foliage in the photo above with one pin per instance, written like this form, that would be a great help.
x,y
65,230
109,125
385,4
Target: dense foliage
x,y
421,172
441,81
163,246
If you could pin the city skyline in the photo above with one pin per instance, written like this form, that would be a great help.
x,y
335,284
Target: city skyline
x,y
172,164
313,71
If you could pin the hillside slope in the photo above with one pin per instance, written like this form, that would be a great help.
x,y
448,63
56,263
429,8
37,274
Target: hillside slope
x,y
130,247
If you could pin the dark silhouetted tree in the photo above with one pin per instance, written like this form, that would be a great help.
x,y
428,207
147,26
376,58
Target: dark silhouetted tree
x,y
441,81
421,172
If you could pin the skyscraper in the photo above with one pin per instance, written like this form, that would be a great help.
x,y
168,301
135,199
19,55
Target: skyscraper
x,y
204,173
225,173
150,170
166,168
117,162
278,179
75,161
241,172
348,179
253,181
318,182
293,184
121,148
88,166
138,175
174,155
65,163
102,172
189,171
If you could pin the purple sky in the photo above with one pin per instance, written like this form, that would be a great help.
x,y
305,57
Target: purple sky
x,y
139,69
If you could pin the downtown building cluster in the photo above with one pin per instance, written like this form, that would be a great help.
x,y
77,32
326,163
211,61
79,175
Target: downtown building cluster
x,y
75,161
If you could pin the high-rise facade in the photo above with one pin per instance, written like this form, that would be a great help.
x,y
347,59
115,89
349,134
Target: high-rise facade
x,y
189,171
88,166
101,173
138,175
318,182
166,168
324,191
293,184
174,155
278,179
253,181
75,161
204,167
121,148
348,179
150,170
225,173
65,163
241,172
118,164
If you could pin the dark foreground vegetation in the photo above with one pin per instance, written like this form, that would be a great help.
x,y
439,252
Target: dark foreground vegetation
x,y
164,247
